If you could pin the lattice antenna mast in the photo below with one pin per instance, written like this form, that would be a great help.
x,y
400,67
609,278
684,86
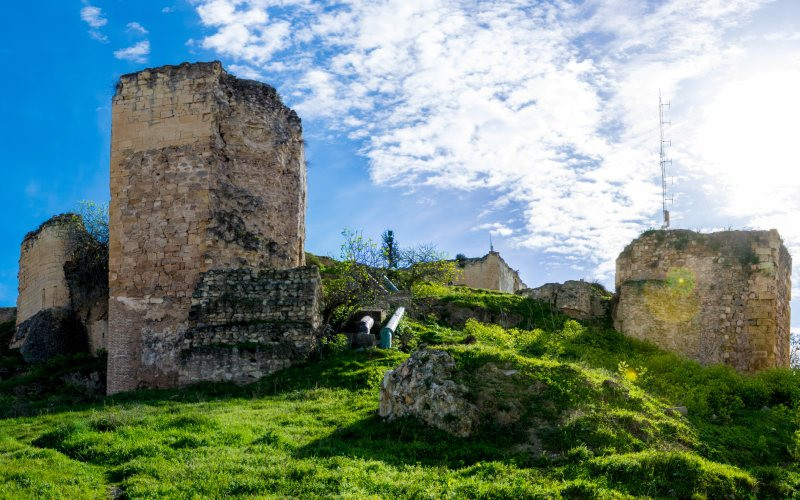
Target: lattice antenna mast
x,y
662,159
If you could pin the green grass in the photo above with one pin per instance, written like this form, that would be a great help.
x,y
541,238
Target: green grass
x,y
584,418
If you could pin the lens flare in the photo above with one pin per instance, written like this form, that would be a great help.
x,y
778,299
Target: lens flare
x,y
673,300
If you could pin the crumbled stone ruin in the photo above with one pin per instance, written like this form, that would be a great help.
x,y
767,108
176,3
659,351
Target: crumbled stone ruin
x,y
490,272
207,229
62,303
576,299
716,298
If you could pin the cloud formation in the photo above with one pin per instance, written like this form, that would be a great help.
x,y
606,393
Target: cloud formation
x,y
136,28
136,53
93,16
548,105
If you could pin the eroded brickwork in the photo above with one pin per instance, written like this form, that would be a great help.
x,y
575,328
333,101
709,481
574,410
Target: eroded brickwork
x,y
717,298
247,323
207,173
490,272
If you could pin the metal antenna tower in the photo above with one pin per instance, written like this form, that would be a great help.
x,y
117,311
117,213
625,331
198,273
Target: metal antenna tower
x,y
662,159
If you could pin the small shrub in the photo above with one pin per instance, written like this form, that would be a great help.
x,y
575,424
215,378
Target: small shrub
x,y
406,337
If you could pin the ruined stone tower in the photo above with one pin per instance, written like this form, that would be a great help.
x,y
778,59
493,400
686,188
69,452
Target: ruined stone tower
x,y
42,283
207,226
60,308
716,298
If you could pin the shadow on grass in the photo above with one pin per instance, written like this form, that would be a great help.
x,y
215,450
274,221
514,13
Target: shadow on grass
x,y
408,442
350,370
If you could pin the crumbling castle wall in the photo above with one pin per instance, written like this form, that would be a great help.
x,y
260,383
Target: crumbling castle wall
x,y
246,323
42,283
207,174
716,298
576,299
60,310
490,272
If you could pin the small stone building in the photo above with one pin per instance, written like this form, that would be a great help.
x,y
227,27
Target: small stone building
x,y
59,310
717,298
207,229
490,272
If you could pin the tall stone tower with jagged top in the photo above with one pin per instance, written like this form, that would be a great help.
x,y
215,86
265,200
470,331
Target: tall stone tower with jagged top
x,y
207,229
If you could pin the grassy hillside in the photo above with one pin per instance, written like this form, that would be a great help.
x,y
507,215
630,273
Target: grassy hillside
x,y
589,417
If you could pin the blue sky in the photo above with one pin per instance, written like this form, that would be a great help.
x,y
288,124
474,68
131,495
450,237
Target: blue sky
x,y
445,120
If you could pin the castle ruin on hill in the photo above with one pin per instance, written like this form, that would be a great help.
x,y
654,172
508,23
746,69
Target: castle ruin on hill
x,y
205,277
490,272
207,229
716,298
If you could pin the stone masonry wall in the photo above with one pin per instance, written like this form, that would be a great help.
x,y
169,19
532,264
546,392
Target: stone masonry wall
x,y
717,298
42,284
490,272
62,307
247,323
207,172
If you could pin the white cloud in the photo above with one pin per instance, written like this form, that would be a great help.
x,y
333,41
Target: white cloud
x,y
96,35
136,53
93,16
244,71
495,229
136,28
548,105
168,10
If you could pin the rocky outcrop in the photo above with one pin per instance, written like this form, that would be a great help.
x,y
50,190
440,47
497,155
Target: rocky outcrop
x,y
423,387
576,299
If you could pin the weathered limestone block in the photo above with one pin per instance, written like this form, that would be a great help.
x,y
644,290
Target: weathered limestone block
x,y
490,272
63,292
207,173
423,387
716,298
576,299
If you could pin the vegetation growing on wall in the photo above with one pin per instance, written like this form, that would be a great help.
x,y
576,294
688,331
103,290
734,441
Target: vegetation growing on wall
x,y
86,269
358,279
